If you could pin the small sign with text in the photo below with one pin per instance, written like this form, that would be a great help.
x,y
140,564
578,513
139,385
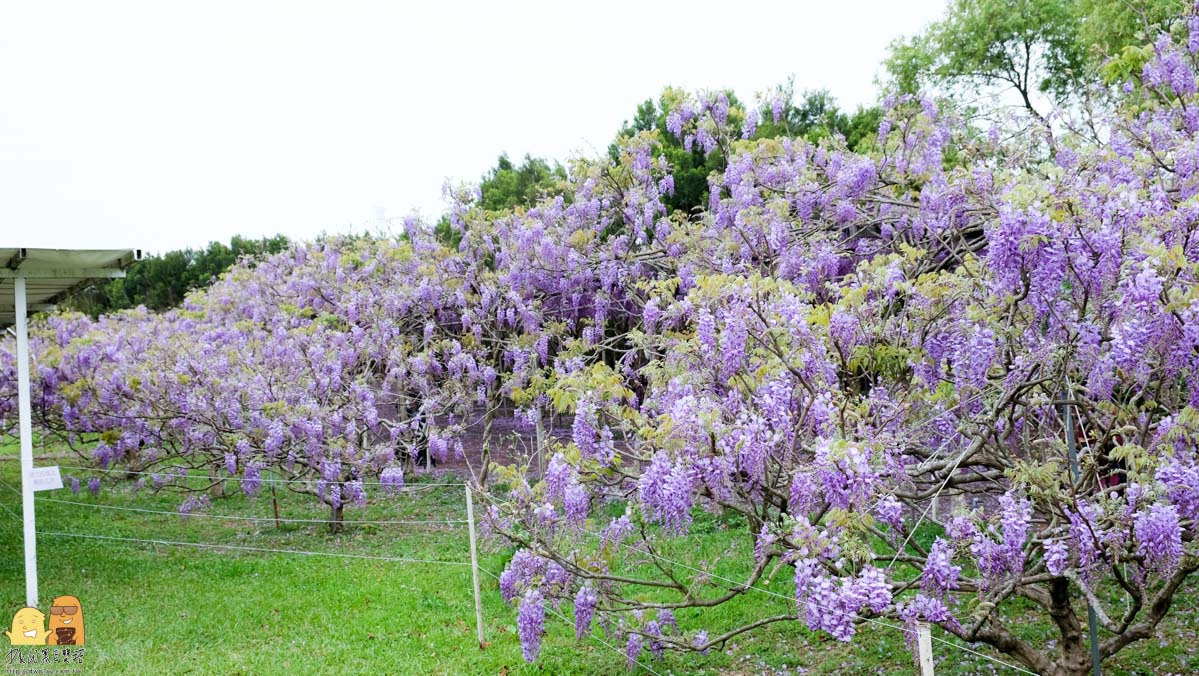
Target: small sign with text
x,y
46,478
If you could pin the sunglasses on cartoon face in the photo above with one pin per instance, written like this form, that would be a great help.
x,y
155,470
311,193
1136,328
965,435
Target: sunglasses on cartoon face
x,y
64,610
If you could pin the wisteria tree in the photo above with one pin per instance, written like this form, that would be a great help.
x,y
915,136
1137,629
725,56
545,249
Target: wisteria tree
x,y
321,365
840,340
836,345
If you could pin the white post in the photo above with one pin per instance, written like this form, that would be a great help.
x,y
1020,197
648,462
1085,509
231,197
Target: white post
x,y
924,641
474,564
540,441
26,431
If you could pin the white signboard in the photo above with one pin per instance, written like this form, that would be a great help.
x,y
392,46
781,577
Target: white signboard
x,y
46,478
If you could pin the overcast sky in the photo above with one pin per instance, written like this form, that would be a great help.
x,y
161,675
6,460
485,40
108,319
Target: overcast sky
x,y
163,125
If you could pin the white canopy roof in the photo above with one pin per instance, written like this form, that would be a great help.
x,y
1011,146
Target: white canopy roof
x,y
52,274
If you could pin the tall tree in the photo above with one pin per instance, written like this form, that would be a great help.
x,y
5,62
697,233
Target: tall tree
x,y
1054,47
506,186
689,164
162,281
1106,27
813,116
1029,46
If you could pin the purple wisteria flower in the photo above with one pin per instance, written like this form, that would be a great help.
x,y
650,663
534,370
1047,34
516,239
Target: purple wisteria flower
x,y
585,602
391,479
1057,557
632,649
531,624
1159,536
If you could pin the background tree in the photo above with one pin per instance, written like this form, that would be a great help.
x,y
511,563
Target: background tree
x,y
1050,47
507,186
1030,46
689,165
162,281
1107,27
814,116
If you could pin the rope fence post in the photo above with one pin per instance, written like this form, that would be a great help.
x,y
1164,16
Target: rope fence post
x,y
474,564
924,644
540,441
1072,450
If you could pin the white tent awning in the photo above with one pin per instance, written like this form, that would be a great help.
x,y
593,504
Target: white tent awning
x,y
52,274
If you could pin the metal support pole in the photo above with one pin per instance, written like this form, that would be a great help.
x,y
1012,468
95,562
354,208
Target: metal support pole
x,y
474,564
26,432
924,644
1092,621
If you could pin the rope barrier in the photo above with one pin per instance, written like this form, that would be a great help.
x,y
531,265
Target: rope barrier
x,y
202,545
265,480
5,508
438,522
238,517
206,545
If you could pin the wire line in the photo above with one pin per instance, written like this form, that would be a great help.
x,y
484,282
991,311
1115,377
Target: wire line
x,y
249,518
265,480
206,545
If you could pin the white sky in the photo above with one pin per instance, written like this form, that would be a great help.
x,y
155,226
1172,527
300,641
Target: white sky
x,y
163,125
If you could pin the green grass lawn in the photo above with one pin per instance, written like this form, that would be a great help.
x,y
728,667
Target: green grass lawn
x,y
160,608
